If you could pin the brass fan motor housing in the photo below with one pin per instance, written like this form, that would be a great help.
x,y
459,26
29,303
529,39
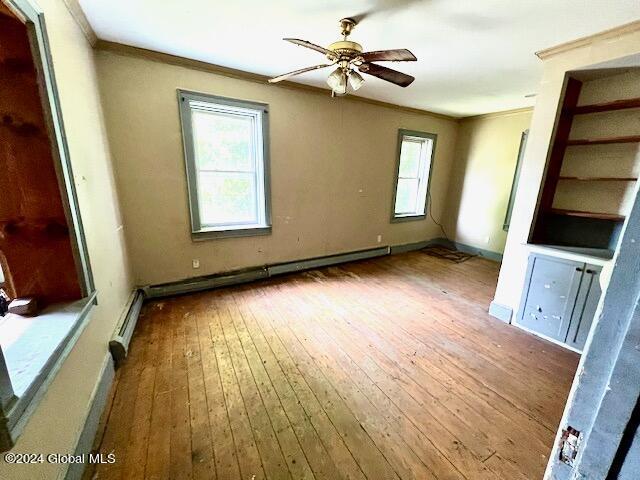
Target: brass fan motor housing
x,y
345,48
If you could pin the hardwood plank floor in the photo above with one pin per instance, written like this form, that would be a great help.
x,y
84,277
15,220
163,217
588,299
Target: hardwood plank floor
x,y
380,369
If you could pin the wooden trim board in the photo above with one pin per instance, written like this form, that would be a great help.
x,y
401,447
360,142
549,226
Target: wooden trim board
x,y
81,19
98,402
503,113
136,52
501,312
612,106
584,41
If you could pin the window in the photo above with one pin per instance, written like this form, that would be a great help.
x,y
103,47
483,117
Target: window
x,y
415,155
516,178
227,158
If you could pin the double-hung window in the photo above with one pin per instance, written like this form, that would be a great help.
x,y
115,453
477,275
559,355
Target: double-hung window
x,y
227,159
415,158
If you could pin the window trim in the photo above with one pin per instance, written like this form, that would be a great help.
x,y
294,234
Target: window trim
x,y
516,179
398,218
199,232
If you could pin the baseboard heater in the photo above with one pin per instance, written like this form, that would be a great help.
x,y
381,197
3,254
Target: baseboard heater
x,y
248,275
119,344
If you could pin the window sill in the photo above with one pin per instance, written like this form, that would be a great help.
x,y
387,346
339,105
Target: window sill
x,y
34,349
408,218
230,232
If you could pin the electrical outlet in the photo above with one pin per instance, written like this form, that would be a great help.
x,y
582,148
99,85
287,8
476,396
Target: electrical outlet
x,y
487,239
379,238
195,263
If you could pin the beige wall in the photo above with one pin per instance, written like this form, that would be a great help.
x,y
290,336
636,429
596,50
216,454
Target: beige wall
x,y
56,424
598,49
481,177
332,169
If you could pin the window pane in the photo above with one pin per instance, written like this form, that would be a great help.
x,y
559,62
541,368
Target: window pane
x,y
227,198
223,141
406,195
410,158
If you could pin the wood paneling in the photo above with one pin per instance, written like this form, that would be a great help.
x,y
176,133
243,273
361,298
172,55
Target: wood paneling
x,y
37,256
386,368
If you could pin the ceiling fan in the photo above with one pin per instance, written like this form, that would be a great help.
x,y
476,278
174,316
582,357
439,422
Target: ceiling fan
x,y
349,58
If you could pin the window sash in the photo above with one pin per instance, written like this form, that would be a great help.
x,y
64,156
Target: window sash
x,y
260,224
253,150
255,207
421,177
413,193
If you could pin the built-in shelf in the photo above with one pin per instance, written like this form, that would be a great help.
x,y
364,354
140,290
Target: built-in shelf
x,y
600,179
603,141
584,214
580,227
607,106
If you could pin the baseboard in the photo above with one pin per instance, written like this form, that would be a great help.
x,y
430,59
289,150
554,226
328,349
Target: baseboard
x,y
411,247
99,399
197,284
326,261
462,247
548,339
501,312
119,343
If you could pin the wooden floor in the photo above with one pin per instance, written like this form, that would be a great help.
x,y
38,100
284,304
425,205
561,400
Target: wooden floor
x,y
388,368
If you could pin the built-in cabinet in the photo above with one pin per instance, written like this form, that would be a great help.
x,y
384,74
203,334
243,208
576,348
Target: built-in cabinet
x,y
559,299
588,187
593,164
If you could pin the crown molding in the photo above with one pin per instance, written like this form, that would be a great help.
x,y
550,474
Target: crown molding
x,y
81,19
153,55
588,40
503,113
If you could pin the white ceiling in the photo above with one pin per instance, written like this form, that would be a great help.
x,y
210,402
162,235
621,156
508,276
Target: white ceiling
x,y
474,56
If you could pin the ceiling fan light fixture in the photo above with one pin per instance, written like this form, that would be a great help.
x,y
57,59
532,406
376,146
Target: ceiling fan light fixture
x,y
355,80
348,56
338,81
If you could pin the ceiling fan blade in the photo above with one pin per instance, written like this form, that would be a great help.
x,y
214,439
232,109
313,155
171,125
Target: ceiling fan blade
x,y
312,46
398,55
297,72
384,6
393,76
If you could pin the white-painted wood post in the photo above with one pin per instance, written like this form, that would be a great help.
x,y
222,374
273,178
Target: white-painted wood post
x,y
607,384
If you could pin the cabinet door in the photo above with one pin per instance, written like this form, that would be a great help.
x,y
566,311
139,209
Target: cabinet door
x,y
585,309
550,295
